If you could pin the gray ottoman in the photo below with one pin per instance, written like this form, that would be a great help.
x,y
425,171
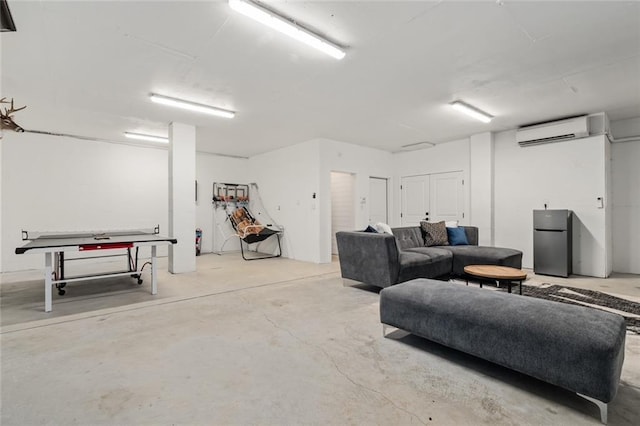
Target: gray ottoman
x,y
577,348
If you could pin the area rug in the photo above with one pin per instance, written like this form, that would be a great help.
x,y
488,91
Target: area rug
x,y
578,296
629,309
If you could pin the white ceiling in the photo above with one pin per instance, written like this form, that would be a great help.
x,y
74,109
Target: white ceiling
x,y
86,68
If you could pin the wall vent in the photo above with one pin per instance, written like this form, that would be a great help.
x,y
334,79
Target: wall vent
x,y
553,131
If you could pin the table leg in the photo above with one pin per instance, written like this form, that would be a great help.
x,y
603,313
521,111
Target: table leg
x,y
520,285
48,274
154,284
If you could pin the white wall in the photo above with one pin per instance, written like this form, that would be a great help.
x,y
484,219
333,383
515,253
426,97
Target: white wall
x,y
287,179
481,186
360,161
627,128
2,204
562,174
64,187
608,208
625,177
625,186
212,168
565,175
182,204
52,183
343,203
446,157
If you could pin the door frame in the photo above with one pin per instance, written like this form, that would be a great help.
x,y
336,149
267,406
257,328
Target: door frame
x,y
387,204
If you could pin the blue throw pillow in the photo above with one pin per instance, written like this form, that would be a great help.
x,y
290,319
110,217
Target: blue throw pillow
x,y
457,237
371,229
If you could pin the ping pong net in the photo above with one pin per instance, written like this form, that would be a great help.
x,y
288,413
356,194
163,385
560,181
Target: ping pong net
x,y
96,235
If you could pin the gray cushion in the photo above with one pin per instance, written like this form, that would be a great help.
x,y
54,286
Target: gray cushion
x,y
408,237
424,262
472,234
580,349
480,255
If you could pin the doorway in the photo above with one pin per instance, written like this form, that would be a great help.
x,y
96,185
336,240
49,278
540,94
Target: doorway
x,y
414,192
434,197
342,205
446,196
378,200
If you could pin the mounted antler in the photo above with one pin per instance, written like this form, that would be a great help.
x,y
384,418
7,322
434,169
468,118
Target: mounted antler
x,y
6,119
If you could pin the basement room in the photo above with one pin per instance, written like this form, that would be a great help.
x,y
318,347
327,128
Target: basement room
x,y
242,212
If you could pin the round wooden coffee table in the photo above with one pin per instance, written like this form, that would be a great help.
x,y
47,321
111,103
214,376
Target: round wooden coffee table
x,y
502,274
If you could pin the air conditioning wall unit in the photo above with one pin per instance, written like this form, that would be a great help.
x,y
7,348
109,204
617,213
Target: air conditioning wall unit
x,y
553,131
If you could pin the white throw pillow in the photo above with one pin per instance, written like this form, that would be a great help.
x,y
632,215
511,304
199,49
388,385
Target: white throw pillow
x,y
451,223
383,228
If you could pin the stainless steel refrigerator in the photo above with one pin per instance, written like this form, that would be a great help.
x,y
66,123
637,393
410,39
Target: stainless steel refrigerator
x,y
552,254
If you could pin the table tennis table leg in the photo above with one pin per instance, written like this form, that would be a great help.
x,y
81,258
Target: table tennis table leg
x,y
48,274
154,284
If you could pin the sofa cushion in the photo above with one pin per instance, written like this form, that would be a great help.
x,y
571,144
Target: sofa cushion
x,y
424,262
383,228
472,234
408,237
434,253
435,234
457,236
480,255
370,229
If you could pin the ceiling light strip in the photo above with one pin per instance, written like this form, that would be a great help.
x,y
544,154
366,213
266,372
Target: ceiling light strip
x,y
143,137
416,146
286,26
472,111
191,106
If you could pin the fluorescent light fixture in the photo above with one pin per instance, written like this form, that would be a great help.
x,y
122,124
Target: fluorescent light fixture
x,y
416,146
149,138
472,111
286,26
191,106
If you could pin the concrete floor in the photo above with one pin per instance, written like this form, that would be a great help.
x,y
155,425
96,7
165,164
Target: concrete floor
x,y
265,342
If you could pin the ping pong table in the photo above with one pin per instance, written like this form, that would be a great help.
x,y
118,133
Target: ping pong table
x,y
55,245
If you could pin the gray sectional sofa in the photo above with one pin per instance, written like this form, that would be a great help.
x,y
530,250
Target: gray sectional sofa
x,y
383,259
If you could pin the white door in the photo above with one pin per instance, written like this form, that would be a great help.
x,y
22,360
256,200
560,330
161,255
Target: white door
x,y
414,192
378,200
342,205
447,196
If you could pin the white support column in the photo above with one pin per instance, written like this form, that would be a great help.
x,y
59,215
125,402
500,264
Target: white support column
x,y
154,268
48,272
182,206
481,174
2,203
2,179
